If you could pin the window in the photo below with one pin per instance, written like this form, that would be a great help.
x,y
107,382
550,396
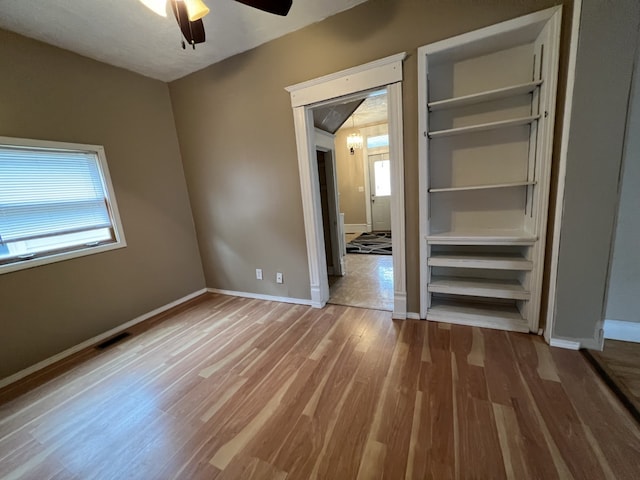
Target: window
x,y
382,172
56,203
378,141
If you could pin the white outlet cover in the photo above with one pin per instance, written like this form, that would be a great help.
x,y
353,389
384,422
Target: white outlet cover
x,y
258,274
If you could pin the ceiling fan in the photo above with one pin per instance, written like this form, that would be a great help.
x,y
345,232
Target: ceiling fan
x,y
189,14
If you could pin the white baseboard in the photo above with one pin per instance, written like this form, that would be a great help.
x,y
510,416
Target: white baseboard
x,y
562,343
413,316
97,339
399,305
356,228
621,330
271,298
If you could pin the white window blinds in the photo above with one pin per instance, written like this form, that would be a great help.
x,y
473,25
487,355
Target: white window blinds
x,y
48,192
51,200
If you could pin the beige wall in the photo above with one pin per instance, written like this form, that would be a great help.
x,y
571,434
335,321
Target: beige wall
x,y
599,113
235,126
351,173
48,93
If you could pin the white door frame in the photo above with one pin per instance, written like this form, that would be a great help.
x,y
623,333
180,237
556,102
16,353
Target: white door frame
x,y
562,173
386,72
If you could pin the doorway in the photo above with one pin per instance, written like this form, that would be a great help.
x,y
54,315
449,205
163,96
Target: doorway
x,y
358,128
351,83
380,187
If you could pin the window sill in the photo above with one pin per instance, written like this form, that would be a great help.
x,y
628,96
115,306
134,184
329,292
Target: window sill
x,y
60,257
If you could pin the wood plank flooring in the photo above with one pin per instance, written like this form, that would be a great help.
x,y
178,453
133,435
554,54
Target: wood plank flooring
x,y
233,388
620,364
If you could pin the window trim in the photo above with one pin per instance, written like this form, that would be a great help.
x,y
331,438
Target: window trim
x,y
112,205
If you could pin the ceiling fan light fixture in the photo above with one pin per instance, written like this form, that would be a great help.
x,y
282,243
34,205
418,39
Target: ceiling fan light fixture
x,y
157,6
196,9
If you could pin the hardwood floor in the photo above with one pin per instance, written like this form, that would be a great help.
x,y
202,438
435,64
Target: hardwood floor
x,y
620,362
233,388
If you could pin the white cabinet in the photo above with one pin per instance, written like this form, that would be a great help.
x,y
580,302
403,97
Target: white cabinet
x,y
487,109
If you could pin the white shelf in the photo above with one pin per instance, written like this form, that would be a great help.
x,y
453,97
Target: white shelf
x,y
481,260
481,127
490,237
487,96
478,315
481,187
486,103
479,287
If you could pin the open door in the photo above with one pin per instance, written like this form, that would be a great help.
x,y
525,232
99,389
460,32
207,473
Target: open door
x,y
333,230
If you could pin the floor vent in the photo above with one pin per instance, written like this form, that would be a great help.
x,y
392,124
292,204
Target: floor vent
x,y
113,340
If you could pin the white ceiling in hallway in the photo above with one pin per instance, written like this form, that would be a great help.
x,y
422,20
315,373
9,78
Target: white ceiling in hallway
x,y
126,34
372,111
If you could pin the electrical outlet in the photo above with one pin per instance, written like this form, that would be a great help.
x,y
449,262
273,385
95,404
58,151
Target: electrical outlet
x,y
279,277
258,274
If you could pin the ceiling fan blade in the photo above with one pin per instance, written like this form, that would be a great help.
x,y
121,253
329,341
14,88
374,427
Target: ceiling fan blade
x,y
193,32
277,7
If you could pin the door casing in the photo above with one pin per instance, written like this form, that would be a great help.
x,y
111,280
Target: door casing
x,y
386,72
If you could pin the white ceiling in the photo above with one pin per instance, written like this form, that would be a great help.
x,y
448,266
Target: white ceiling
x,y
372,111
127,34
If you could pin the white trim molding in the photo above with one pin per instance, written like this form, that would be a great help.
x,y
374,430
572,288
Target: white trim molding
x,y
562,172
97,339
578,343
563,343
311,206
325,141
621,330
270,298
413,316
374,74
396,153
384,73
356,228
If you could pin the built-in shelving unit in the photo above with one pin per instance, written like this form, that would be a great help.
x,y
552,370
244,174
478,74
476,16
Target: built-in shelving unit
x,y
479,287
487,96
481,127
487,109
494,237
503,317
501,261
483,187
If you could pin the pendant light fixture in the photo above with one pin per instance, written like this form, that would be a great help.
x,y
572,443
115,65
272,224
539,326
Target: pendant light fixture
x,y
354,139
